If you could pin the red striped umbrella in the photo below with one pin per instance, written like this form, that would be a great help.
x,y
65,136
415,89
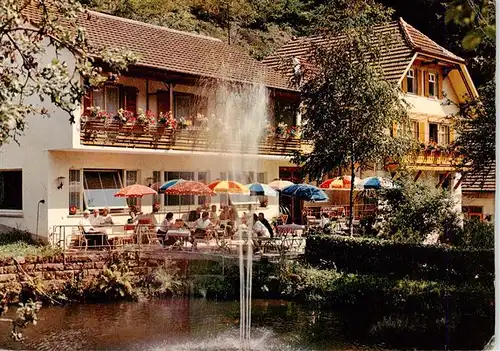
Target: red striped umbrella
x,y
135,190
229,187
343,182
190,187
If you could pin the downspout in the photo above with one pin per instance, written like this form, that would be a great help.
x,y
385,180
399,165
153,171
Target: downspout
x,y
147,94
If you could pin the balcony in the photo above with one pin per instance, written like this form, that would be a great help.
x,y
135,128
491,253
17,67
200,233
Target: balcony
x,y
97,132
432,160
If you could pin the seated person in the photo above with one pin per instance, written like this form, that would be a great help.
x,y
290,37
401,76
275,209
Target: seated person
x,y
133,215
266,223
106,217
325,220
214,218
193,216
202,225
95,219
166,224
260,230
94,236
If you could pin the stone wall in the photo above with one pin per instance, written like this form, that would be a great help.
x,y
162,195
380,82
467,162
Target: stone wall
x,y
56,270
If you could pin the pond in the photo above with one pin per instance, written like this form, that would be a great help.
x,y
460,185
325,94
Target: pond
x,y
182,324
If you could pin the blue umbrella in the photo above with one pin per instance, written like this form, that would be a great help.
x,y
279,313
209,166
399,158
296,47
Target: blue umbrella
x,y
169,184
305,192
377,183
261,189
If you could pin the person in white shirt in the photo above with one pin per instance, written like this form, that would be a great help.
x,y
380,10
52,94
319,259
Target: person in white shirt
x,y
166,225
201,225
325,220
93,235
106,218
96,219
259,228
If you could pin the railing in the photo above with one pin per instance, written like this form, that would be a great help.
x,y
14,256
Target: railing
x,y
116,134
144,237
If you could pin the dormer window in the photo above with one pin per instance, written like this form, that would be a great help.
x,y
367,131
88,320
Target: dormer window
x,y
432,84
411,81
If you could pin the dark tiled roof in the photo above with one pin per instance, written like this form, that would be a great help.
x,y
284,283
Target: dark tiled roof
x,y
401,42
163,48
422,43
484,181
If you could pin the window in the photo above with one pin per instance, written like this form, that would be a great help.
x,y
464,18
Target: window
x,y
444,134
75,188
11,190
444,180
411,81
157,180
107,98
203,178
415,130
177,200
131,179
433,133
100,187
261,178
432,84
473,211
183,105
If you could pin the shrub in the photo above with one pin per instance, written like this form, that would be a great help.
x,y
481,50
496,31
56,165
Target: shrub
x,y
163,281
16,235
399,260
414,210
114,284
475,234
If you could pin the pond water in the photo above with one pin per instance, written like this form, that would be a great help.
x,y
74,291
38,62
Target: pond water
x,y
182,324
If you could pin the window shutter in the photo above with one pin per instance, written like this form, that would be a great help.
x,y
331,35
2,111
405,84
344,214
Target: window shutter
x,y
163,102
426,83
130,98
452,135
418,81
421,132
394,129
439,86
87,102
404,84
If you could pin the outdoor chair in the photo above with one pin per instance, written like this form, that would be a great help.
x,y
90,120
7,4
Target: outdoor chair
x,y
78,239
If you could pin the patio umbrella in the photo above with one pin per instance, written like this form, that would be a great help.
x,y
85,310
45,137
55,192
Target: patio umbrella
x,y
135,190
377,183
342,182
279,184
228,187
190,187
305,192
155,186
261,189
168,184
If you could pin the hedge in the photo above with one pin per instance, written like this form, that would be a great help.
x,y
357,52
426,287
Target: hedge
x,y
400,260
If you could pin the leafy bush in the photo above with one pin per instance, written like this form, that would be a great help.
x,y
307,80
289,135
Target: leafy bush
x,y
114,284
414,210
163,281
399,260
475,234
15,236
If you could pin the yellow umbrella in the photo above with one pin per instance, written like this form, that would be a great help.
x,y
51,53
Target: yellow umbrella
x,y
229,187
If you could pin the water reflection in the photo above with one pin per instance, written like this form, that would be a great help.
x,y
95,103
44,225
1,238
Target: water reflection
x,y
181,324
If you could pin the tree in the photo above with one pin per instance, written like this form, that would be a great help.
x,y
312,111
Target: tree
x,y
475,123
30,34
476,15
413,210
349,110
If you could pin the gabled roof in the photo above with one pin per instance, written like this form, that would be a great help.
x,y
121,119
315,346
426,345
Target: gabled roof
x,y
480,182
402,42
167,49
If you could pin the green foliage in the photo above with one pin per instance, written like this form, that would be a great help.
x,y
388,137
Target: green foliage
x,y
26,313
475,234
399,260
114,284
25,250
29,40
477,16
163,281
413,210
475,124
15,236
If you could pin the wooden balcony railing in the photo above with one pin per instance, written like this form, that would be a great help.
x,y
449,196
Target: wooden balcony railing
x,y
124,135
426,160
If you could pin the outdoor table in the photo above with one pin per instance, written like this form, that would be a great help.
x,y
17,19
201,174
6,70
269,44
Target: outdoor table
x,y
293,229
181,237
